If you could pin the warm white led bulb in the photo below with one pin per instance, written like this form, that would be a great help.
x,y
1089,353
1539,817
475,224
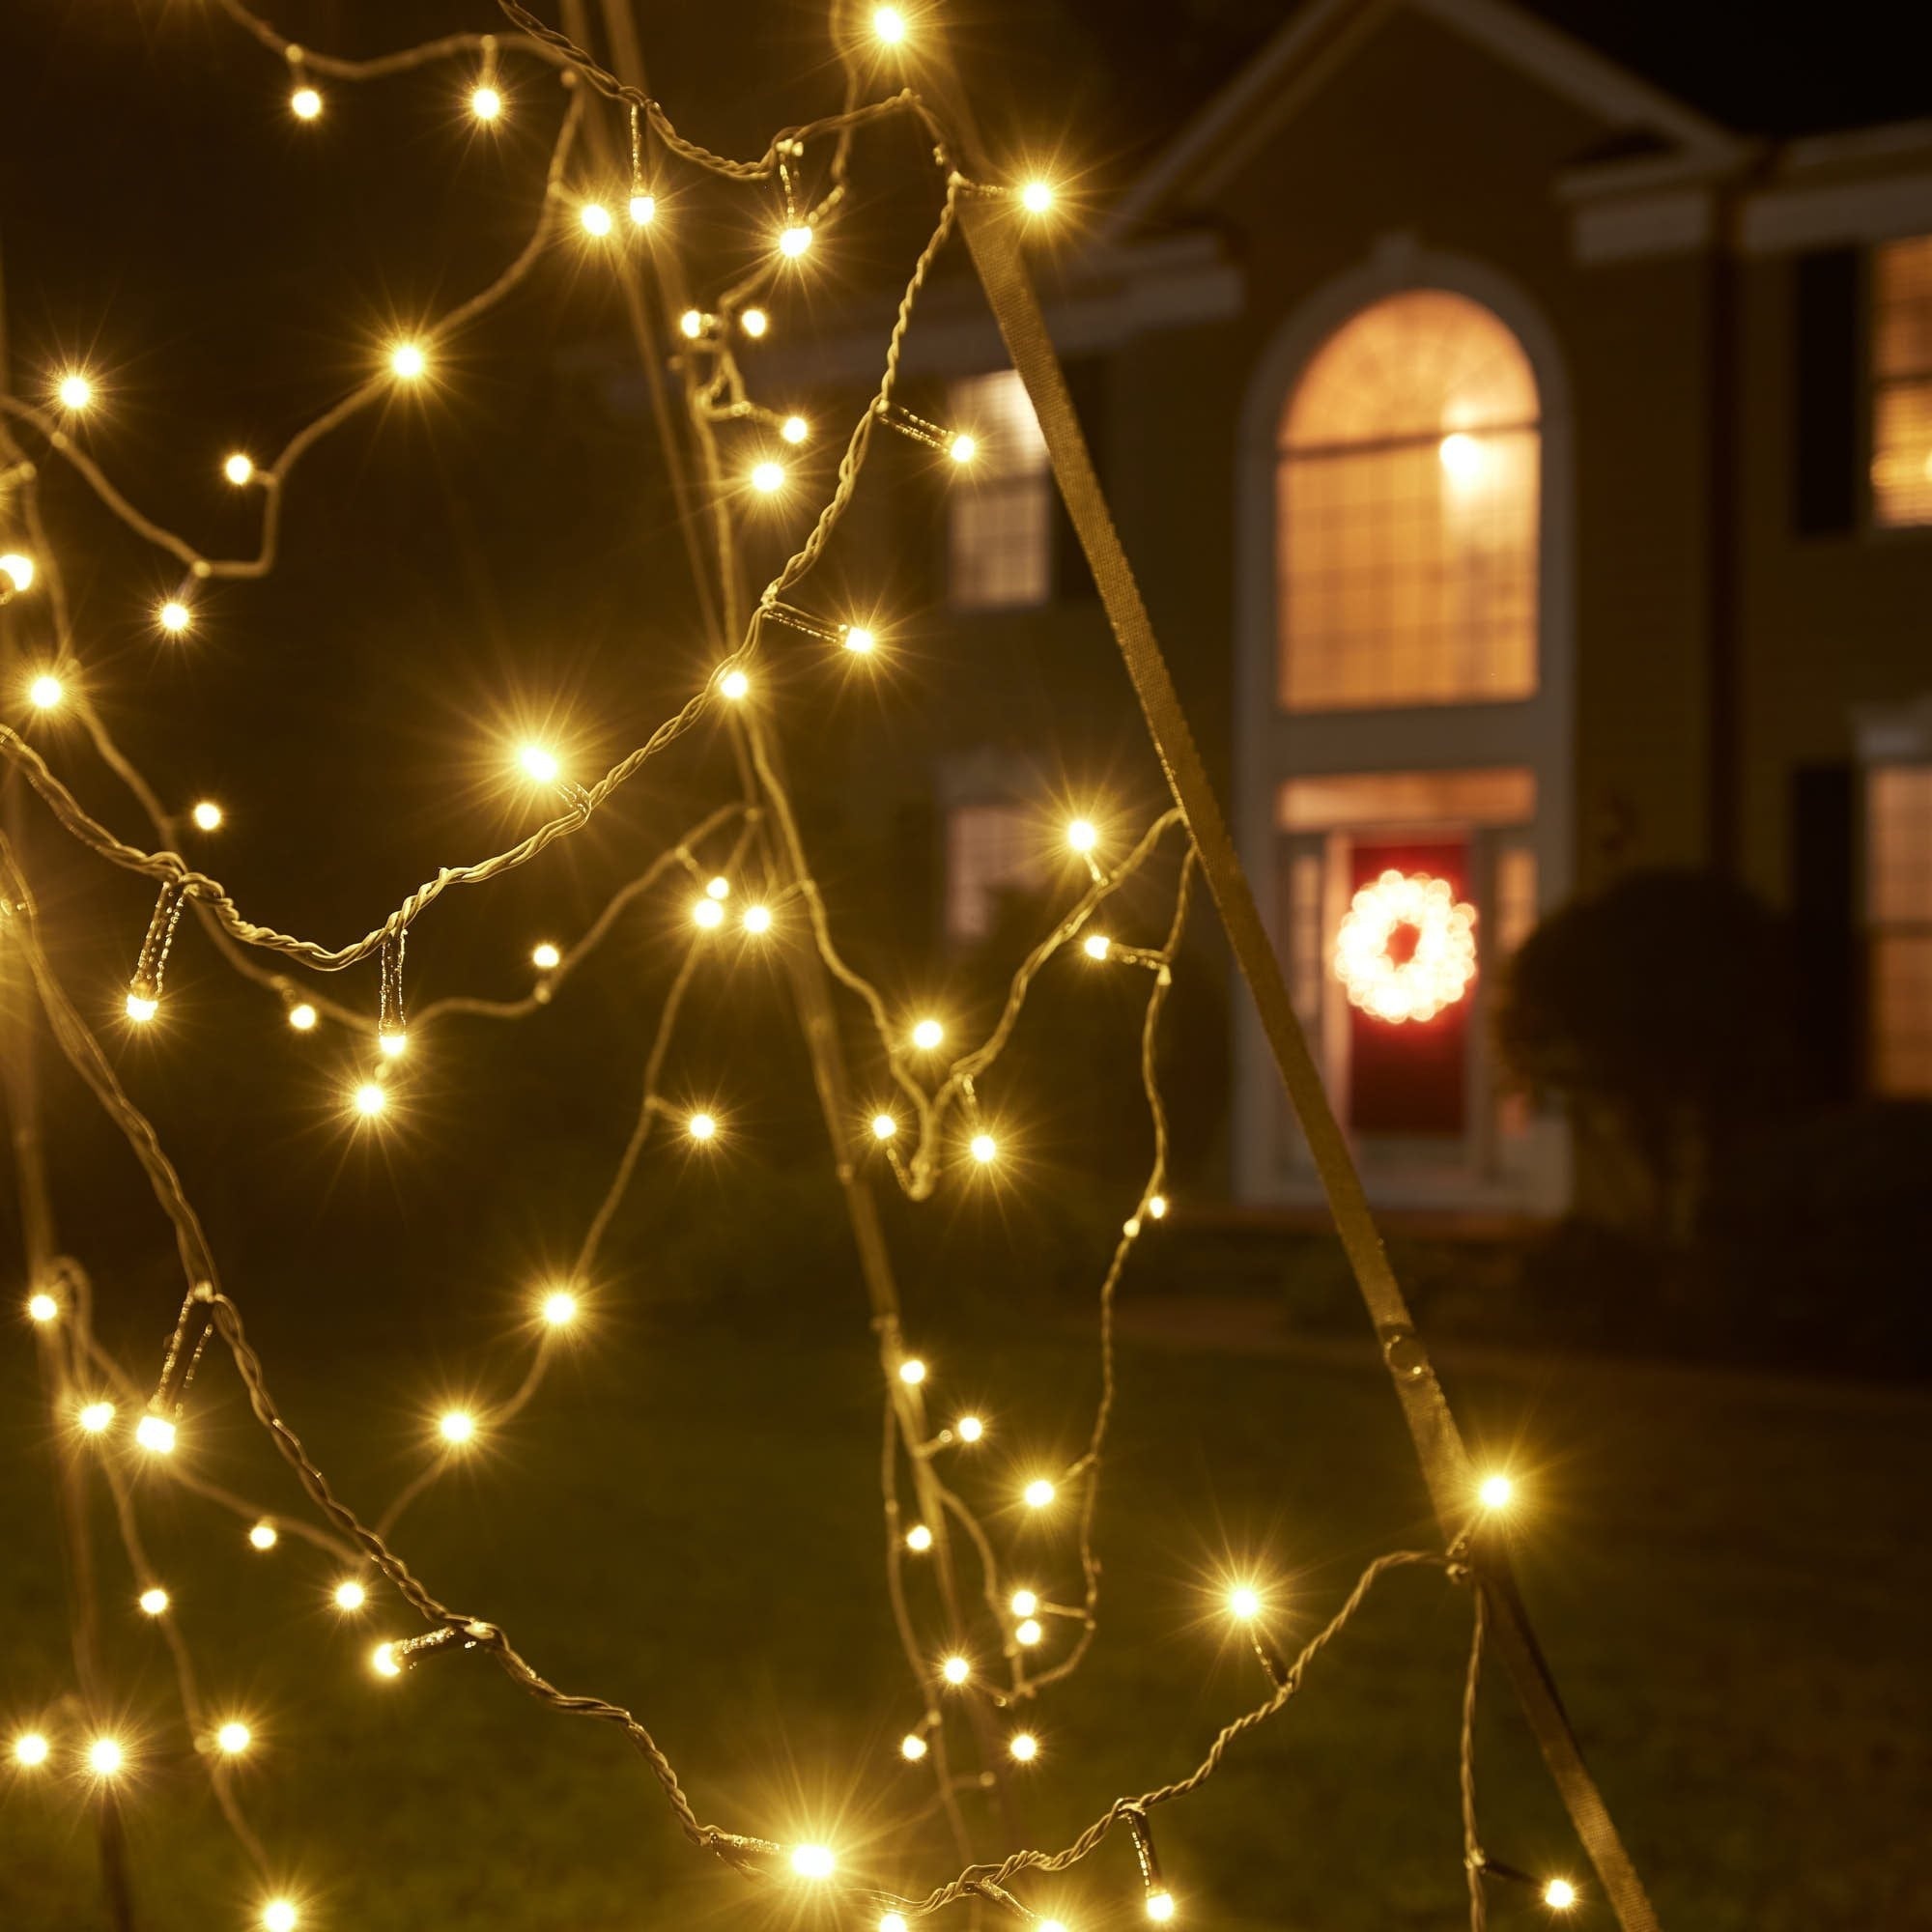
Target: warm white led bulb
x,y
1025,1603
1082,836
97,1416
595,217
720,887
541,764
1030,1632
734,685
857,637
884,1126
701,1126
457,1425
265,1535
30,1748
644,210
279,1914
42,1307
955,1670
370,1099
46,692
754,321
1244,1601
1160,1906
1559,1894
154,1600
889,24
795,240
238,468
1023,1746
302,1016
546,958
757,919
983,1149
1036,197
1096,946
141,1008
105,1758
408,360
155,1434
896,1922
207,816
1038,1493
306,103
794,429
968,1428
1157,1205
911,1372
1496,1493
486,103
912,1747
559,1308
963,448
350,1595
18,570
690,324
768,477
384,1662
919,1539
76,391
927,1034
812,1861
708,913
233,1738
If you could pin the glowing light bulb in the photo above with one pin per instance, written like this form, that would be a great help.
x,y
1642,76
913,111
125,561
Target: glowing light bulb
x,y
1097,945
233,1738
701,1126
1051,1925
927,1034
912,1747
408,360
46,692
1036,197
207,816
154,1600
539,763
457,1425
892,1921
1023,1746
1082,836
1030,1632
719,888
1025,1603
644,210
757,919
595,217
1157,1206
486,103
546,958
279,1914
105,1758
983,1149
884,1126
767,477
265,1535
857,637
690,324
42,1307
1496,1493
155,1434
812,1860
968,1428
708,913
734,684
963,448
383,1661
955,1670
350,1595
370,1099
306,102
889,24
1559,1894
794,429
1160,1906
302,1016
97,1416
1038,1493
1244,1601
18,570
795,240
754,321
30,1748
76,391
911,1372
559,1308
238,468
141,1008
919,1539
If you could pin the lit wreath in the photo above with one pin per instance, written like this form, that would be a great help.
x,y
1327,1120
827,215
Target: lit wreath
x,y
1438,966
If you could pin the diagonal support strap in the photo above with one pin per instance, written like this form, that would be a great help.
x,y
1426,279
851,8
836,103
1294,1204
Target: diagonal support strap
x,y
990,230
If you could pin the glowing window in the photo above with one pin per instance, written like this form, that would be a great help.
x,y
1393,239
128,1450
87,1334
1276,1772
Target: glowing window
x,y
990,849
1406,512
1000,520
1901,470
1898,907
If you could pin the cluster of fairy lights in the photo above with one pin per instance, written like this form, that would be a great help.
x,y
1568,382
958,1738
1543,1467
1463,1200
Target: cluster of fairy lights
x,y
927,1127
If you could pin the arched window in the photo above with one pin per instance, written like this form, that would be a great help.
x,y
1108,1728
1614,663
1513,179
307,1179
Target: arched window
x,y
1406,512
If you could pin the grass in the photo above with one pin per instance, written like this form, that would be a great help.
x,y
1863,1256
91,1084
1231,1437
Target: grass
x,y
1725,1573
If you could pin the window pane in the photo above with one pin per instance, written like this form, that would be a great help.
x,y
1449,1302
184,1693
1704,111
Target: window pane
x,y
1902,1014
1902,309
1481,795
990,849
1901,470
1001,511
998,413
1898,844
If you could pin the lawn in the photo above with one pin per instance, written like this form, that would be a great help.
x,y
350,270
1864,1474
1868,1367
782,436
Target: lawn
x,y
1727,1573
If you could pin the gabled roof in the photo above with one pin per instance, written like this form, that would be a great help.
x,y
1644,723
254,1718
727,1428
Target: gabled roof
x,y
1324,34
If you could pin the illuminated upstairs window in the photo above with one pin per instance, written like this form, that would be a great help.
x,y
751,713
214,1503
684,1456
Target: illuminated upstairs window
x,y
1000,517
1406,513
1902,466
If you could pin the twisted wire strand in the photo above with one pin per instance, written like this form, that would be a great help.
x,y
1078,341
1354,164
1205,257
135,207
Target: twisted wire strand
x,y
379,66
1473,1861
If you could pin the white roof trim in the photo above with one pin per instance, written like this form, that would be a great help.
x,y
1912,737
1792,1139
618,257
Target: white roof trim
x,y
1564,65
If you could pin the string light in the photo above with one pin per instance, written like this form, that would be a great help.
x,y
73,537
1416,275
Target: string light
x,y
889,24
720,887
539,763
546,958
457,1426
486,103
1496,1493
708,913
350,1595
408,360
141,1009
370,1099
701,1127
767,476
857,637
963,448
919,1539
690,324
968,1428
1097,945
795,240
884,1126
238,468
76,391
1559,1894
927,1034
31,1748
1244,1601
1082,836
892,1921
644,210
46,692
1036,197
757,919
559,1308
264,1536
155,1434
383,1663
734,684
754,321
306,102
105,1758
154,1600
279,1914
1157,1206
302,1016
912,1747
42,1307
1160,1907
812,1861
96,1417
983,1149
1024,1603
207,816
1023,1747
911,1372
794,429
1030,1632
595,217
18,570
233,1737
1038,1493
955,1670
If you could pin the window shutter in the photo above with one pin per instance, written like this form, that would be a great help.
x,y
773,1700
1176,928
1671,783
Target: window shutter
x,y
1828,371
1824,930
